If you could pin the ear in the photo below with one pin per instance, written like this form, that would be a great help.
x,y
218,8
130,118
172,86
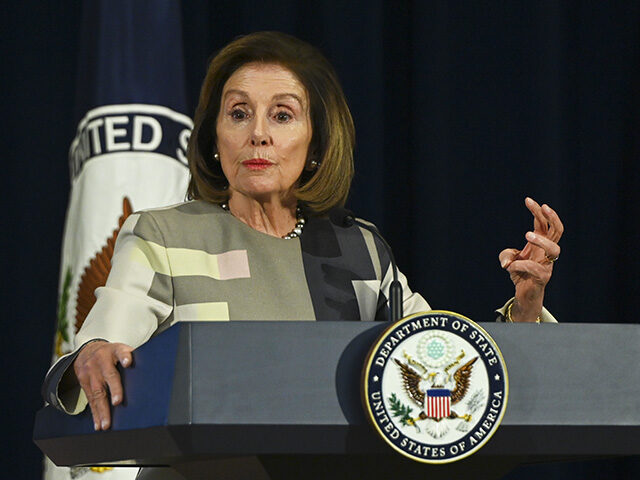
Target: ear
x,y
312,164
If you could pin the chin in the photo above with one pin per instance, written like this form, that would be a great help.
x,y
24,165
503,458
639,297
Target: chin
x,y
261,191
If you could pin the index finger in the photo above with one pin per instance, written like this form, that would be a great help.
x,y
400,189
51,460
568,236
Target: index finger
x,y
123,355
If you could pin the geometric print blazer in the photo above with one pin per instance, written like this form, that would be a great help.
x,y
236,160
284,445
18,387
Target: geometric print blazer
x,y
196,262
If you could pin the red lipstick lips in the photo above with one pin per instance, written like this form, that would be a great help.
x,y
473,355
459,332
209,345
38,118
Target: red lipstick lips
x,y
257,164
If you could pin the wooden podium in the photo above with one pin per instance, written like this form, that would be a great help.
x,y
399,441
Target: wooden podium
x,y
291,390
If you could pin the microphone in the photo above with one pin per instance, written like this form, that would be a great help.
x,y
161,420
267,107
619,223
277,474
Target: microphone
x,y
344,218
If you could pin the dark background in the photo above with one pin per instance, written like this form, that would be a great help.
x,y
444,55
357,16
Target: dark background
x,y
462,109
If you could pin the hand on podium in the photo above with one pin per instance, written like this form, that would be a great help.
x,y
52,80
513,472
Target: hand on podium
x,y
95,368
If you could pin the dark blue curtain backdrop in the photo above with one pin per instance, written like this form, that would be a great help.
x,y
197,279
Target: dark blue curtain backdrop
x,y
462,109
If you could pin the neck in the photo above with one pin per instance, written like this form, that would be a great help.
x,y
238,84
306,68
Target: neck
x,y
274,217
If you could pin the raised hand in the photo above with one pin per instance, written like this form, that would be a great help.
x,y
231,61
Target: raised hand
x,y
531,268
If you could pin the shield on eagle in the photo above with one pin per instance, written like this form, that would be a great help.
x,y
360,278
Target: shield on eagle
x,y
438,403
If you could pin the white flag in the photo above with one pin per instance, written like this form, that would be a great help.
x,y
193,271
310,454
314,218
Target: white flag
x,y
129,153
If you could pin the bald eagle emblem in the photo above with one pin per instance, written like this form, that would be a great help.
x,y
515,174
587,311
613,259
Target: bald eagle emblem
x,y
435,392
435,386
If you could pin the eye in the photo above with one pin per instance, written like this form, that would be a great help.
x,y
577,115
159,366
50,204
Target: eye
x,y
283,117
238,114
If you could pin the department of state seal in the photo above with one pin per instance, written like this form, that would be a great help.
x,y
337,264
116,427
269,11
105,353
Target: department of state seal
x,y
435,386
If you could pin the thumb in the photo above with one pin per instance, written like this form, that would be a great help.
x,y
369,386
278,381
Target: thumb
x,y
507,256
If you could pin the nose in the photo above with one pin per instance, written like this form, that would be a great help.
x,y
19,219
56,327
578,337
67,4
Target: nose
x,y
260,135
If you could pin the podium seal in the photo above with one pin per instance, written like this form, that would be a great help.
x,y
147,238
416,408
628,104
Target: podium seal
x,y
435,386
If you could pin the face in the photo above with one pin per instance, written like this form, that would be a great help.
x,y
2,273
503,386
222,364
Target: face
x,y
263,132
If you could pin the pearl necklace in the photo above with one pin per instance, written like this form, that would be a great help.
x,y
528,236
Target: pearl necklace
x,y
297,230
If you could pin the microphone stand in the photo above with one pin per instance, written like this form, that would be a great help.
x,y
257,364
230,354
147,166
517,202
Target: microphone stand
x,y
345,218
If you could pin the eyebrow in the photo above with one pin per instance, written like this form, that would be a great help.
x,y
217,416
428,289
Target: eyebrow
x,y
279,96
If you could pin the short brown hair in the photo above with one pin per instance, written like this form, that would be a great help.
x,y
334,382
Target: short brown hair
x,y
333,135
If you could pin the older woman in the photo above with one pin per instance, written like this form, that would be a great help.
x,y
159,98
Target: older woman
x,y
270,155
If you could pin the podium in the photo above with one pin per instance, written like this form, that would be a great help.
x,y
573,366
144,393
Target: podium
x,y
207,390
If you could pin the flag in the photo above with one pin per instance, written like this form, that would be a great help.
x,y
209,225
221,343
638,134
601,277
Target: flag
x,y
438,403
128,154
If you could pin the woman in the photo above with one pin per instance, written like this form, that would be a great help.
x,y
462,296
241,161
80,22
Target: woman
x,y
270,154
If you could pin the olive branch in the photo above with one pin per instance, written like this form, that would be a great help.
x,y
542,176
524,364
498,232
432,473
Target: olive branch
x,y
400,410
62,306
62,335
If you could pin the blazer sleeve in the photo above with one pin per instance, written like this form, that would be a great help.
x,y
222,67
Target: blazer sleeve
x,y
136,300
